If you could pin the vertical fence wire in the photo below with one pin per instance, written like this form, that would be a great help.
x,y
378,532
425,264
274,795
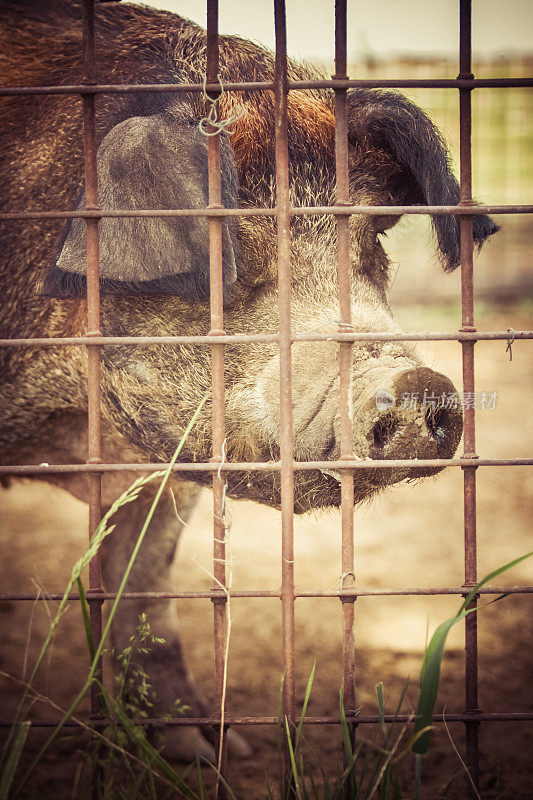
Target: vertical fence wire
x,y
345,369
467,298
220,621
283,220
93,324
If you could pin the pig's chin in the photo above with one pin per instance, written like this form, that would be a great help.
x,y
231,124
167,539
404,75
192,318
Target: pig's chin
x,y
313,489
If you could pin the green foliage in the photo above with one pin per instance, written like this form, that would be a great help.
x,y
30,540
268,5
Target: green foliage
x,y
369,766
430,671
132,684
122,762
12,759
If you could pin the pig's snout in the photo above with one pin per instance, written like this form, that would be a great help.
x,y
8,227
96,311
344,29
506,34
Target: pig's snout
x,y
401,413
416,413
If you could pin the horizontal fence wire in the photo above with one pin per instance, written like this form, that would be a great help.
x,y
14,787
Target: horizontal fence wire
x,y
265,466
295,211
257,86
271,593
329,336
359,719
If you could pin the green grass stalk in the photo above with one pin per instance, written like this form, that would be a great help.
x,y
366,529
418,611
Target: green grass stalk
x,y
430,671
100,534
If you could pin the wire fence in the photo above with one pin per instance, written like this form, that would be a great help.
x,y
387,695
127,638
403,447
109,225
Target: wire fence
x,y
216,340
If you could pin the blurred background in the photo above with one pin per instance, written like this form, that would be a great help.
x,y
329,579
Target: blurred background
x,y
502,172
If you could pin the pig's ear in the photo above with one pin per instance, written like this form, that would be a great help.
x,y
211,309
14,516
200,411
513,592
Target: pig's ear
x,y
152,162
388,122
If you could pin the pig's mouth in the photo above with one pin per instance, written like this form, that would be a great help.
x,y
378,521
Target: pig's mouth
x,y
318,488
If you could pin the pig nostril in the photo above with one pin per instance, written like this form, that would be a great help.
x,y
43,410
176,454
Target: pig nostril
x,y
438,422
384,429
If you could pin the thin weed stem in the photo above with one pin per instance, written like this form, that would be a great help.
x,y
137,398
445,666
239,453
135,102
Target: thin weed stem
x,y
460,757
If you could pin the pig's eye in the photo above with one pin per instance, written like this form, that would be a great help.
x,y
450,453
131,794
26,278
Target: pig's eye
x,y
151,162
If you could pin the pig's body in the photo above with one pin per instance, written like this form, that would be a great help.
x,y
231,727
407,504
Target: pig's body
x,y
155,278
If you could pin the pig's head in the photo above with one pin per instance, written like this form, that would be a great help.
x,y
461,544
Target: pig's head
x,y
155,280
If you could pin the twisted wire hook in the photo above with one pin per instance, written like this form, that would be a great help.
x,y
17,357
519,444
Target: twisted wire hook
x,y
211,125
510,342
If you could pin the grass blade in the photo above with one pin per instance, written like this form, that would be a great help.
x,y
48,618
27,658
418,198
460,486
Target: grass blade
x,y
86,621
200,777
418,775
430,671
381,711
348,773
351,756
492,575
279,732
399,707
293,761
344,726
304,707
313,786
153,757
221,779
13,759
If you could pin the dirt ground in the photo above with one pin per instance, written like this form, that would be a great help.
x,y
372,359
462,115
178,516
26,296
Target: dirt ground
x,y
409,536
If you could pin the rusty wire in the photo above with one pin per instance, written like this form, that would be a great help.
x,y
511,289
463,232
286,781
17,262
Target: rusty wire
x,y
259,86
283,220
265,466
347,580
363,719
93,330
220,618
271,212
467,302
311,336
343,333
272,593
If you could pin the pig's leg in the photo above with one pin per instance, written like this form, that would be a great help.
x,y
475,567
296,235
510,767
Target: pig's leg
x,y
164,664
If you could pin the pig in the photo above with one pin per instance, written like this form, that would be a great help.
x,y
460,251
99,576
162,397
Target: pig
x,y
155,280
